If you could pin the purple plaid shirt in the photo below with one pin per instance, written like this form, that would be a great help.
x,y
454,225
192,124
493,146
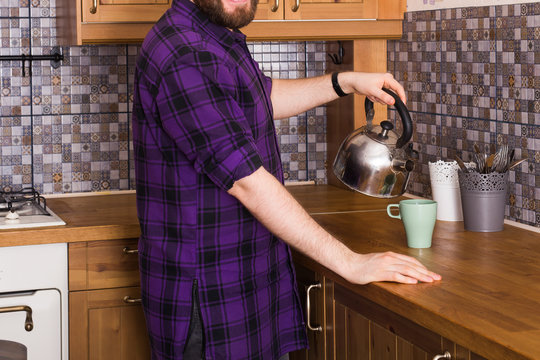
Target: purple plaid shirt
x,y
202,119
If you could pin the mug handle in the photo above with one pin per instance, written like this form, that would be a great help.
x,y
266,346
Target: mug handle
x,y
389,211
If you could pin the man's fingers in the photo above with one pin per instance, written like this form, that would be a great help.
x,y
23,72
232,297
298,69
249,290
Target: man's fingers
x,y
410,267
396,87
405,259
398,277
391,266
382,98
421,269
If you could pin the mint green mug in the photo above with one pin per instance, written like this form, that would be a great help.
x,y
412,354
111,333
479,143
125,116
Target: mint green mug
x,y
418,216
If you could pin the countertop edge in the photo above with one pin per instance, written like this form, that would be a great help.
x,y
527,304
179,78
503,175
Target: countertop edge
x,y
59,234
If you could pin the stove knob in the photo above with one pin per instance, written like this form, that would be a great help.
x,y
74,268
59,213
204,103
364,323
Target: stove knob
x,y
12,215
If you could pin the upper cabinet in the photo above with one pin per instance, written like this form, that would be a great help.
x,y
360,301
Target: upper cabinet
x,y
326,19
316,9
107,21
102,11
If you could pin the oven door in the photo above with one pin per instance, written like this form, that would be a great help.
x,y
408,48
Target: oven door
x,y
30,320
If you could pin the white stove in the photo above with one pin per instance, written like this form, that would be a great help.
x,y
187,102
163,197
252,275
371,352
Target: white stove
x,y
25,208
34,302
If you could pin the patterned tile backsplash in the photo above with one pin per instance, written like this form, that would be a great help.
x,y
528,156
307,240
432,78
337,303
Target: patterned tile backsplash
x,y
302,138
472,75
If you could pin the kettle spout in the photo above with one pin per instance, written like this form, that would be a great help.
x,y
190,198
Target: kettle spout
x,y
405,166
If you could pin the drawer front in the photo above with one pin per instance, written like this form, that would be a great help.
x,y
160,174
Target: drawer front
x,y
103,264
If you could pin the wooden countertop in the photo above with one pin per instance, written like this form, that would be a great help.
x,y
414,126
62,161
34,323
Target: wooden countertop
x,y
489,296
488,299
328,199
93,217
114,216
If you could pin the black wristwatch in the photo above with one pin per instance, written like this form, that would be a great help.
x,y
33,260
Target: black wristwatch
x,y
336,86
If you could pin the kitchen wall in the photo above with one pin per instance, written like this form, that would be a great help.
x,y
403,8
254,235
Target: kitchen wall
x,y
67,130
472,75
416,5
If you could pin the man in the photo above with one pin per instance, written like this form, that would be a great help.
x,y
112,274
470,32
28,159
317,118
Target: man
x,y
216,273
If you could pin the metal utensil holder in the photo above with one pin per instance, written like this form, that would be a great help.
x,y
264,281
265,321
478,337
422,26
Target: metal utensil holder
x,y
483,199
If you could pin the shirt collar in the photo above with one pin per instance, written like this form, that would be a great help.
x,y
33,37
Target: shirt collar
x,y
220,33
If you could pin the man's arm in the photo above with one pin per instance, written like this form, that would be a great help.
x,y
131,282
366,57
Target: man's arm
x,y
275,208
292,97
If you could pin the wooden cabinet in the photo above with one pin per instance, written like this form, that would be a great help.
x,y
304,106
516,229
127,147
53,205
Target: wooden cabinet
x,y
105,316
101,11
315,317
326,19
317,9
365,330
355,328
107,21
330,10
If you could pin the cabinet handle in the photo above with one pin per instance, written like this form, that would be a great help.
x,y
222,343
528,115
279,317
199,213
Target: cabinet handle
x,y
445,356
129,300
93,8
308,306
28,323
295,6
128,251
275,7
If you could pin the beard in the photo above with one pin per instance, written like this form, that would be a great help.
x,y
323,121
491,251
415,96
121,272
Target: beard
x,y
235,20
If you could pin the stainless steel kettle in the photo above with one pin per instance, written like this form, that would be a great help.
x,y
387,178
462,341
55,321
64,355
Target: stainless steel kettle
x,y
375,160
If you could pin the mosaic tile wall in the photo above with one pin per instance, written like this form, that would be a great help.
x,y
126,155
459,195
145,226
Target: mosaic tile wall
x,y
472,75
67,130
302,138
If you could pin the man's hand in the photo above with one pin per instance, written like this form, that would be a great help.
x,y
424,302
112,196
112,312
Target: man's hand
x,y
370,84
276,209
387,266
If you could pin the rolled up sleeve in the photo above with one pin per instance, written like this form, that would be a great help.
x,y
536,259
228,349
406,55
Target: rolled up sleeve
x,y
199,112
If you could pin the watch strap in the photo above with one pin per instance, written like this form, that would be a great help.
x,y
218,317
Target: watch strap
x,y
335,85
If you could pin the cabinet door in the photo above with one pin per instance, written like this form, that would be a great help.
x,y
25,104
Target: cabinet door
x,y
270,10
330,9
351,334
316,316
107,324
365,330
129,11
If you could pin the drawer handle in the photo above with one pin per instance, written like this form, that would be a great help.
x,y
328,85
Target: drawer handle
x,y
275,7
445,356
295,6
28,323
129,300
93,8
308,308
128,251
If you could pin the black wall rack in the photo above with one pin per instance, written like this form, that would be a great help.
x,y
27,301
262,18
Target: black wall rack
x,y
55,57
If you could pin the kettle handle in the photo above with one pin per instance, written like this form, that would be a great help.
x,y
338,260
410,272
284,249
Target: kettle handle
x,y
403,114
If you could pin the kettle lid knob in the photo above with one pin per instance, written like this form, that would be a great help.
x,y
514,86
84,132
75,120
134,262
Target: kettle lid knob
x,y
386,126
